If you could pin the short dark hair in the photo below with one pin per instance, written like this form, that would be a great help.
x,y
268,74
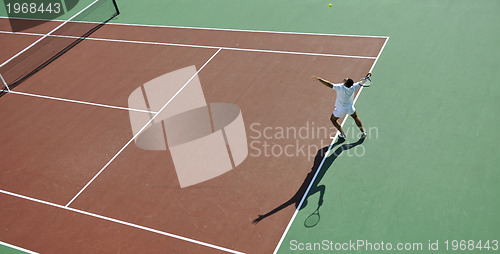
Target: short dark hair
x,y
348,82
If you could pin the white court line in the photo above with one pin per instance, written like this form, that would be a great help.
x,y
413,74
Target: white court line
x,y
218,29
195,46
253,31
322,162
379,53
79,102
142,129
17,248
4,83
121,222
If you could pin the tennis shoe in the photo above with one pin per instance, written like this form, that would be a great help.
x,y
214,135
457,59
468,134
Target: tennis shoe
x,y
363,135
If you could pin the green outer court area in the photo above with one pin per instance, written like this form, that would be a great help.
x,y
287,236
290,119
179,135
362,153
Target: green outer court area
x,y
9,249
429,168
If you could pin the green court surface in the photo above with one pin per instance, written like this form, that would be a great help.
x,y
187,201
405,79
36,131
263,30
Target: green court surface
x,y
4,249
428,170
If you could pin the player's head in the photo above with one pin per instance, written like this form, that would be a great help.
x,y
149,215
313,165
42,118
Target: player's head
x,y
348,82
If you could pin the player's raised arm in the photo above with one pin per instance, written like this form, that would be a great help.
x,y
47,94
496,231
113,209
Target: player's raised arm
x,y
323,81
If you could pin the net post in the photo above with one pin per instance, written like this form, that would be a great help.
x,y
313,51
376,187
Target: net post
x,y
5,83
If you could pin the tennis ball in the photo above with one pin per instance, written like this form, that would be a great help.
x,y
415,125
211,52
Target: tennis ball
x,y
330,5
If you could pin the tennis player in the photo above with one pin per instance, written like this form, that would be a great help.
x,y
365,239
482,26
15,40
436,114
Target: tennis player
x,y
344,104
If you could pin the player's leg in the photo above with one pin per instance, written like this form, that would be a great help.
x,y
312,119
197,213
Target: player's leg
x,y
358,123
335,123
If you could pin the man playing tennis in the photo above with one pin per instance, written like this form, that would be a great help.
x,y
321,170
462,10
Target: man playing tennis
x,y
344,104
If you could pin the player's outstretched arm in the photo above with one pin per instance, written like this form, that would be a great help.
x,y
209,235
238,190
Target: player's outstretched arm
x,y
323,81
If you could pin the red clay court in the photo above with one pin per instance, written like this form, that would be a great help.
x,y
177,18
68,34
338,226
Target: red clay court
x,y
75,182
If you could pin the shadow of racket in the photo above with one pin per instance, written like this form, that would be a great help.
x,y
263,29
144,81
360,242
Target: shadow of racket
x,y
313,219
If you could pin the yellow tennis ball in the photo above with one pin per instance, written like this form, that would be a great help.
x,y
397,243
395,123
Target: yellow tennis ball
x,y
330,5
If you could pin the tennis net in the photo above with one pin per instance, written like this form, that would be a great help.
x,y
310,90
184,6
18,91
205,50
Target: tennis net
x,y
55,43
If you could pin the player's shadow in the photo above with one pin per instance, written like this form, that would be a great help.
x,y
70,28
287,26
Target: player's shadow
x,y
316,187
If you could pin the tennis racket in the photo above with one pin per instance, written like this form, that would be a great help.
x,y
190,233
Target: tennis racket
x,y
366,81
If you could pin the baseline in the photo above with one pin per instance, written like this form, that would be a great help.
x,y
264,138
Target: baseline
x,y
120,222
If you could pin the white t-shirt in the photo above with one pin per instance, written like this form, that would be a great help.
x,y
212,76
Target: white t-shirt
x,y
345,96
